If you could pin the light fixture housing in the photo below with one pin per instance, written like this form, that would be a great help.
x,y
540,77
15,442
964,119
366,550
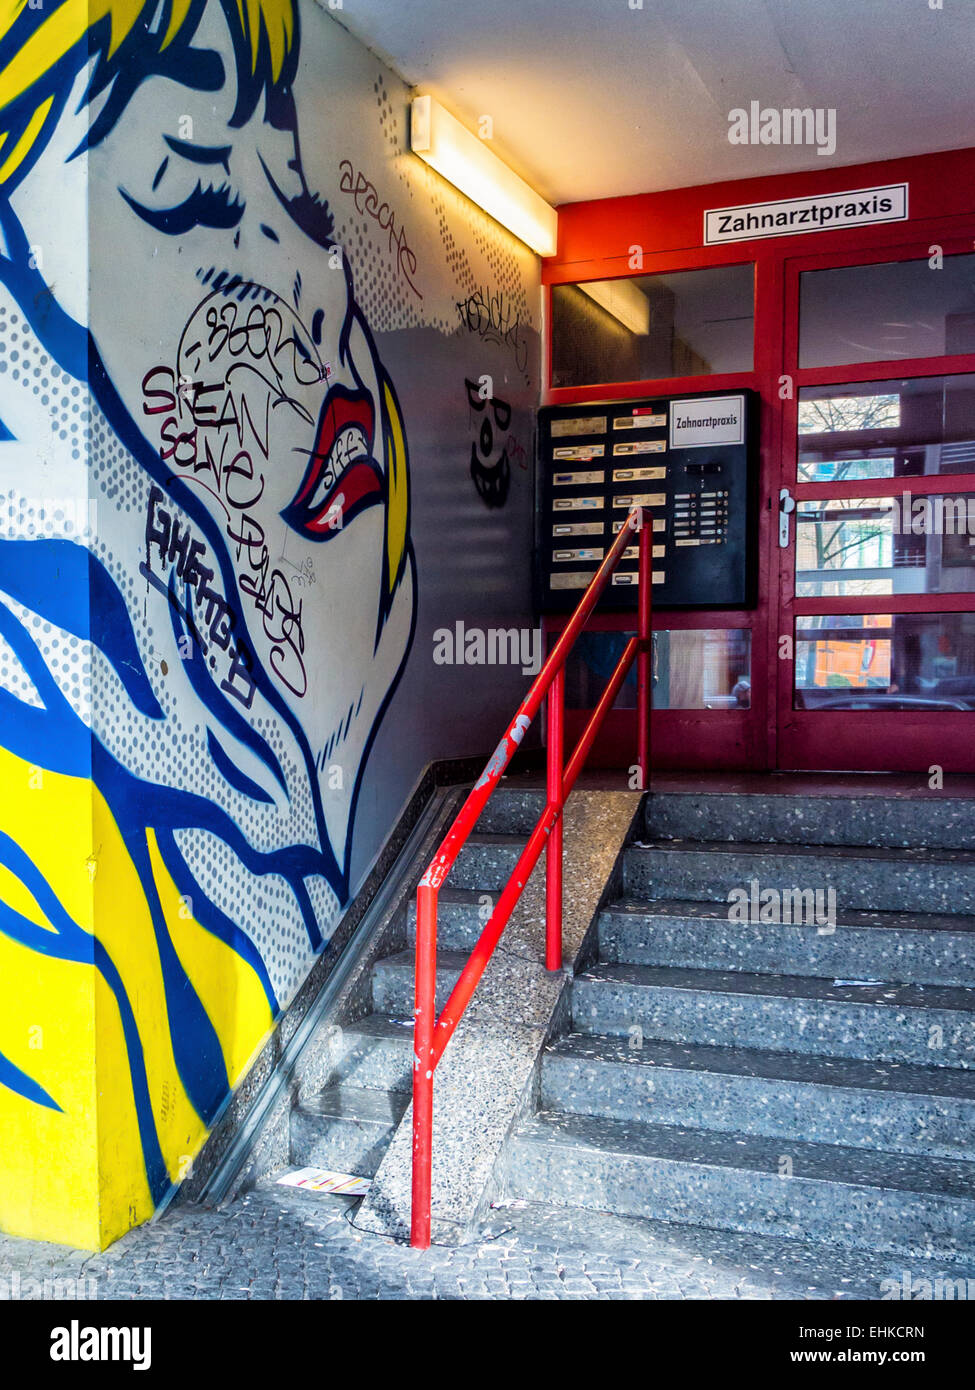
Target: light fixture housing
x,y
470,165
624,300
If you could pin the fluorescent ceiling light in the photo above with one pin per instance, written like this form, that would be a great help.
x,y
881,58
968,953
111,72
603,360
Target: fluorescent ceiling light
x,y
624,300
470,165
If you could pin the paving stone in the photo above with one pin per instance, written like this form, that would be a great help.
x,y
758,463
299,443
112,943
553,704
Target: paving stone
x,y
253,1250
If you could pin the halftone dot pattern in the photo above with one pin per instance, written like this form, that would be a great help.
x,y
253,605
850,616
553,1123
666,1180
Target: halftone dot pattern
x,y
35,518
466,252
14,678
382,291
27,368
68,658
173,751
325,904
119,483
505,274
263,906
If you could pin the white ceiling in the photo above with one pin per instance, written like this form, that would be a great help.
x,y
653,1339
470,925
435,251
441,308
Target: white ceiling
x,y
591,98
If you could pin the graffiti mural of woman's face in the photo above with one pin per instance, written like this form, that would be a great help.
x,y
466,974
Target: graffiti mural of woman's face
x,y
225,321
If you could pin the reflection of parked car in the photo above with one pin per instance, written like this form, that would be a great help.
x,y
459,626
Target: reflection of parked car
x,y
955,688
856,699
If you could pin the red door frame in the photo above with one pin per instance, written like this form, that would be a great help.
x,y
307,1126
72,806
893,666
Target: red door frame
x,y
866,740
595,243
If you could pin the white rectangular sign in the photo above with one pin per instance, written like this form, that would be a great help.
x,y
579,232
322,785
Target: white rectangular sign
x,y
824,212
713,420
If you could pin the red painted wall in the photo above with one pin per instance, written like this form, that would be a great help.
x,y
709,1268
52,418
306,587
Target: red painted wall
x,y
592,233
594,243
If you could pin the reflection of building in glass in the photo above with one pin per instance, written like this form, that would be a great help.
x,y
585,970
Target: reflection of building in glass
x,y
845,660
699,322
853,470
708,669
910,428
886,311
885,545
890,661
705,669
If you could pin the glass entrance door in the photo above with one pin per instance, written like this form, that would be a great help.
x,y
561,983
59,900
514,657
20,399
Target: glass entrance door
x,y
875,536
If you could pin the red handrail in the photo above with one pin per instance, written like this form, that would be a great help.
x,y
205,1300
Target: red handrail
x,y
431,1034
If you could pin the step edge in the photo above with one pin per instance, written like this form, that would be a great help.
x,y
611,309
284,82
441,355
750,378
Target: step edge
x,y
539,1130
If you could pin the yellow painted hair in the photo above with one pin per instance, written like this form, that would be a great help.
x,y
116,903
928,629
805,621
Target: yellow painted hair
x,y
398,499
37,44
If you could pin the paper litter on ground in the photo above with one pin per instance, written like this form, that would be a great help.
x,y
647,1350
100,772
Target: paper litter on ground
x,y
322,1180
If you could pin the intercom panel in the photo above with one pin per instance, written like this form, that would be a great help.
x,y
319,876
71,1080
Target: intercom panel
x,y
690,460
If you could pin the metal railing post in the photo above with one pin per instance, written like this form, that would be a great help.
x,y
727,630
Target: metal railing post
x,y
423,1026
430,1034
644,660
553,851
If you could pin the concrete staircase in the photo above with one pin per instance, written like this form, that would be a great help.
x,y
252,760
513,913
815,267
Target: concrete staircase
x,y
355,1091
720,1074
348,1124
762,1078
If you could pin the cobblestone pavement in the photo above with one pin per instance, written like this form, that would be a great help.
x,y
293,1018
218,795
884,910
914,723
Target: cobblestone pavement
x,y
276,1243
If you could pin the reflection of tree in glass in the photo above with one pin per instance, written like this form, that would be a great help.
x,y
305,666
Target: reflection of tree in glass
x,y
834,539
813,469
842,414
835,414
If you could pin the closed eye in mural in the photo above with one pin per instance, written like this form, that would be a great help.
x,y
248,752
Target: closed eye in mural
x,y
212,662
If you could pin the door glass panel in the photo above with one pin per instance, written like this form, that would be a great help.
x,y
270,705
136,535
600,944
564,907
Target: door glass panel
x,y
885,661
886,545
691,323
887,429
705,669
879,313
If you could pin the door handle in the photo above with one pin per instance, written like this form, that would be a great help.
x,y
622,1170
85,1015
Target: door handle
x,y
787,505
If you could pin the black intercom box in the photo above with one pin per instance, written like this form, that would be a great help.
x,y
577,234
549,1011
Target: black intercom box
x,y
692,460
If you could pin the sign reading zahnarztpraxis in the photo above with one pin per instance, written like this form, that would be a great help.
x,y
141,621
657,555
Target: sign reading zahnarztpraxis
x,y
713,420
793,216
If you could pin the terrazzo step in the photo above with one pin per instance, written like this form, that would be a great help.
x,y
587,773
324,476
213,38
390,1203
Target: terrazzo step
x,y
859,1104
512,812
850,1197
892,820
884,880
900,947
394,981
461,917
379,1054
486,861
924,1026
346,1128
